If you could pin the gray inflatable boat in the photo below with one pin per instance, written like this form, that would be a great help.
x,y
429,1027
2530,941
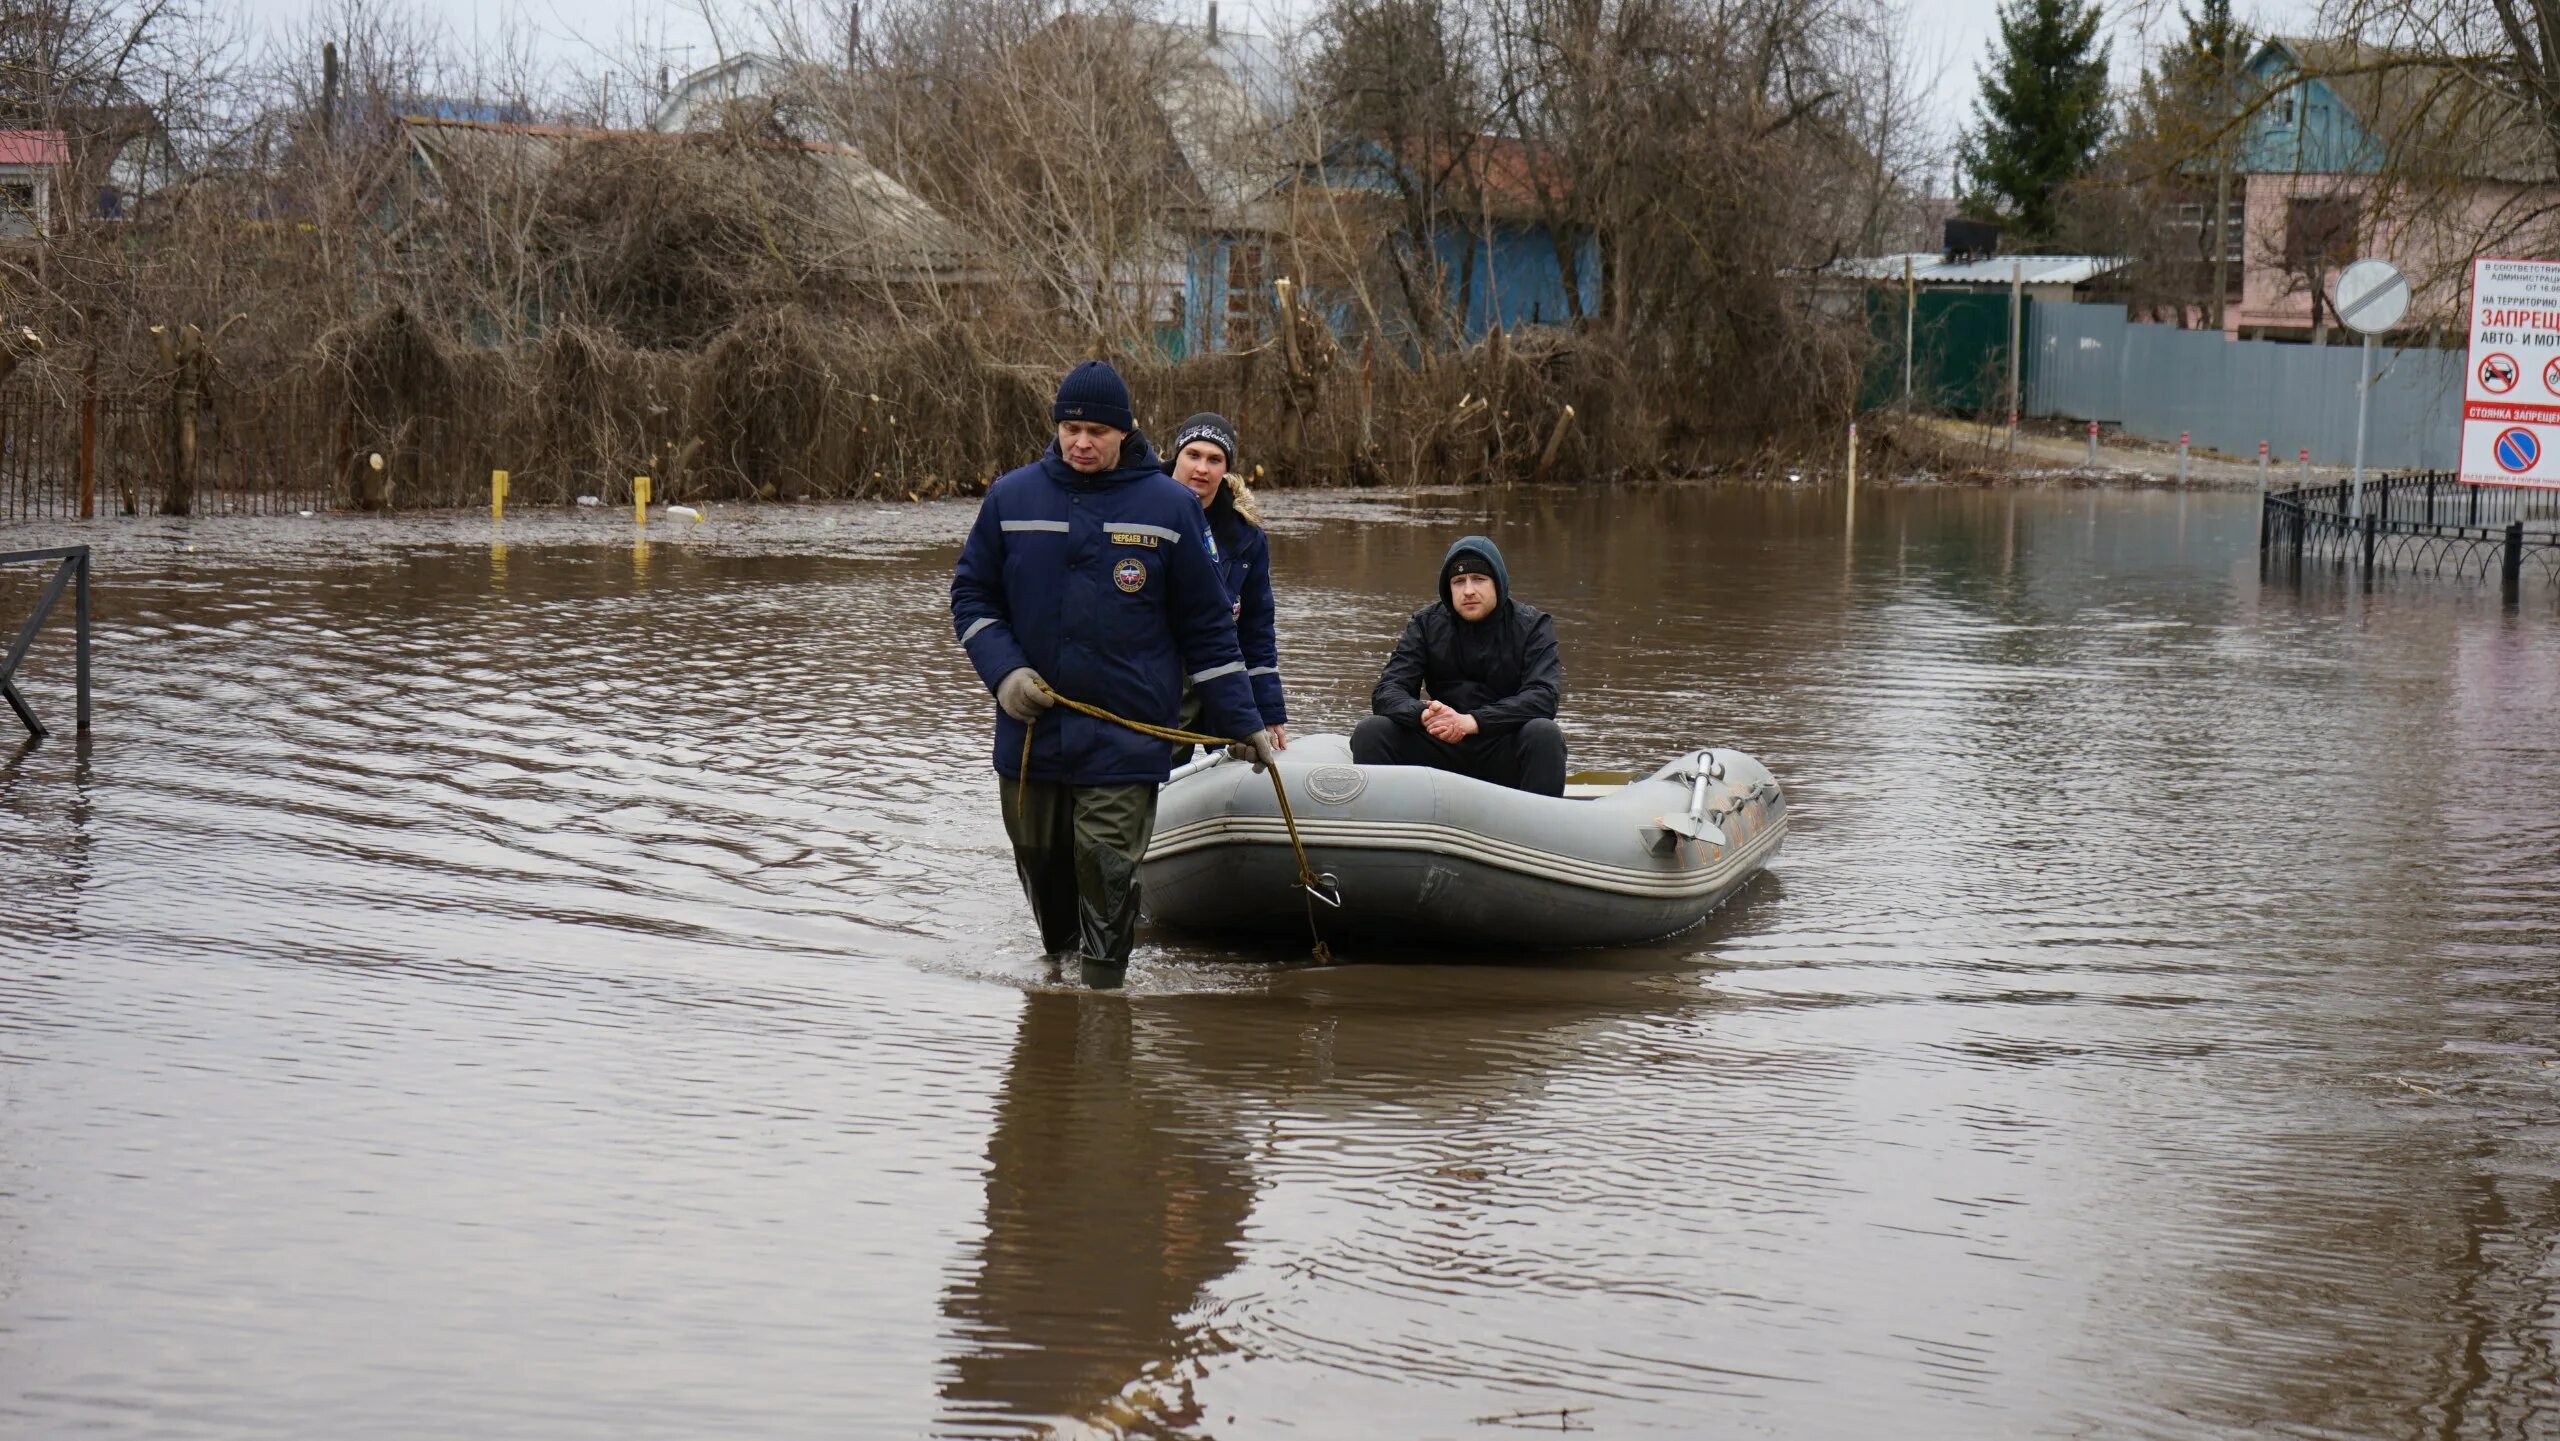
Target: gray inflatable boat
x,y
1421,854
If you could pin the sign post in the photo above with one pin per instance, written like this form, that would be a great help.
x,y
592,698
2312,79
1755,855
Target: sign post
x,y
2372,297
2511,386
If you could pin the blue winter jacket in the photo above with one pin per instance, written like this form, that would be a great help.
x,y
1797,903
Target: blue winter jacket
x,y
1104,585
1244,564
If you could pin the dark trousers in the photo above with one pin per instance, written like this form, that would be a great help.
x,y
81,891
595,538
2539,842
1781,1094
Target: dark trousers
x,y
1077,850
1528,759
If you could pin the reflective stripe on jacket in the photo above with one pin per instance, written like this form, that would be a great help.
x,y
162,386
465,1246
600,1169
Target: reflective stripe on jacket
x,y
1104,585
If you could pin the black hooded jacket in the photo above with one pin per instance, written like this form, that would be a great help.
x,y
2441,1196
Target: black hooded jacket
x,y
1503,669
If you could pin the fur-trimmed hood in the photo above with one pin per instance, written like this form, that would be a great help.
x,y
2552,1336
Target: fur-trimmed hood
x,y
1240,495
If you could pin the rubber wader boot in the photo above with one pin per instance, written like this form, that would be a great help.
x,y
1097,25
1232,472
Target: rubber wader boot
x,y
1107,904
1039,817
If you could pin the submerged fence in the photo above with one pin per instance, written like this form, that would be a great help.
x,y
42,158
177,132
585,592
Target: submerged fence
x,y
254,455
2427,523
2089,362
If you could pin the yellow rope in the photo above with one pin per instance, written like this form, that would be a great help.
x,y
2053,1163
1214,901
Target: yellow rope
x,y
1306,873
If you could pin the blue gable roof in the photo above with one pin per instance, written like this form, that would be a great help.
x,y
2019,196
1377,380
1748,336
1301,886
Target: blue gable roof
x,y
2302,126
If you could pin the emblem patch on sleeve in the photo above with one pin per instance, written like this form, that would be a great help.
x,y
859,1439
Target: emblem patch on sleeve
x,y
1130,575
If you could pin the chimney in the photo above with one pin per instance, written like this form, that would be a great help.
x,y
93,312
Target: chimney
x,y
1213,22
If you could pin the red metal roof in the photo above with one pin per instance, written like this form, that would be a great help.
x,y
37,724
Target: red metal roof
x,y
33,147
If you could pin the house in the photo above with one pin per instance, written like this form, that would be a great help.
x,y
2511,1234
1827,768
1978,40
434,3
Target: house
x,y
700,101
2354,150
885,234
1472,228
32,165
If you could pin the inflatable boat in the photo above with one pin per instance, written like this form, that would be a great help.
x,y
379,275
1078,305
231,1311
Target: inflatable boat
x,y
1427,856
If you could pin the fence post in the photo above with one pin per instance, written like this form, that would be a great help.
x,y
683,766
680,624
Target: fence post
x,y
80,636
2511,566
2369,519
2475,505
2266,518
2298,520
2431,497
88,445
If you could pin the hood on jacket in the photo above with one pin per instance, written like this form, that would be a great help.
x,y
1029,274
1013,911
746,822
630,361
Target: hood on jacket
x,y
1492,555
1238,496
1137,458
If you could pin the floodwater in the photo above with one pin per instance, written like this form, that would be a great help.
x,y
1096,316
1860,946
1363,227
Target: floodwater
x,y
570,988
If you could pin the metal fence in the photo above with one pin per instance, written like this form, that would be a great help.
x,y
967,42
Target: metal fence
x,y
2428,523
2088,362
256,454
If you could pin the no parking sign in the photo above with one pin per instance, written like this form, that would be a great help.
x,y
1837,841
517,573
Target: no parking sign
x,y
2511,398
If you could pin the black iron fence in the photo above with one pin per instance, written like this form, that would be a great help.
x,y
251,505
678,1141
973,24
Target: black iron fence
x,y
2426,522
70,572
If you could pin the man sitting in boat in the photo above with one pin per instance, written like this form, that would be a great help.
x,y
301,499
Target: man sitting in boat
x,y
1488,665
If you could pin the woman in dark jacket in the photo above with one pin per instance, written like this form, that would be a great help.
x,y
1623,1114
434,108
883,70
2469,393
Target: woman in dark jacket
x,y
1203,458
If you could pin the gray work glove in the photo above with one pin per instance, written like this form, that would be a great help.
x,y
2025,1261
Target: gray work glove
x,y
1021,696
1257,749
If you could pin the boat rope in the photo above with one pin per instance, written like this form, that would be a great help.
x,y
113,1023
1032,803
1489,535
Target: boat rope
x,y
1307,880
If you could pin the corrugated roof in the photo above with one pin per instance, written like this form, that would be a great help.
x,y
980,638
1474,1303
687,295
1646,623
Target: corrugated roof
x,y
1930,268
890,232
33,147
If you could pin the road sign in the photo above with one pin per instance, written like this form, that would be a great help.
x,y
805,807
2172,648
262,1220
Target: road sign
x,y
2516,450
2372,296
2511,436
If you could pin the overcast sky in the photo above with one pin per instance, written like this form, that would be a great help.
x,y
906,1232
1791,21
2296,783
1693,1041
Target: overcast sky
x,y
1950,37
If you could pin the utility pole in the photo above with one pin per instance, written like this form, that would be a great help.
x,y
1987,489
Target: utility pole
x,y
2017,306
329,90
1910,304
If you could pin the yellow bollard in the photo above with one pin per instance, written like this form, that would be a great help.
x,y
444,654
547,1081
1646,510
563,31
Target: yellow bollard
x,y
640,500
497,495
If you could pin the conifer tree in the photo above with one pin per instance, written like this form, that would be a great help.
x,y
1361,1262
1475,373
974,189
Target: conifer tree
x,y
2041,115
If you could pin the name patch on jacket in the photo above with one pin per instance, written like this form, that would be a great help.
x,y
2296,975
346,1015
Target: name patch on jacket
x,y
1131,574
1133,537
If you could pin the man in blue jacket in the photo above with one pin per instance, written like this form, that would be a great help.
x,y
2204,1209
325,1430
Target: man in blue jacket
x,y
1488,665
1089,571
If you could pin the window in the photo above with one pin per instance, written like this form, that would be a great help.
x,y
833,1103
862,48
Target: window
x,y
2319,233
2283,110
19,214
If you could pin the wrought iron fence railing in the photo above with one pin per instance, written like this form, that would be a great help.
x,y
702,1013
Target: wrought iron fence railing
x,y
2425,522
71,572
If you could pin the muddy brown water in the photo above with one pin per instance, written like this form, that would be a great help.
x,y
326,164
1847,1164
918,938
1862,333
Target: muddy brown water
x,y
571,989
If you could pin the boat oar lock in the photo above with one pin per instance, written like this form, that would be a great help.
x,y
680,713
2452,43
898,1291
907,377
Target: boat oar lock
x,y
1695,825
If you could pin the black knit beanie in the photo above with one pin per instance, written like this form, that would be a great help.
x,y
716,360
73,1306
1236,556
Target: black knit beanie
x,y
1094,392
1210,426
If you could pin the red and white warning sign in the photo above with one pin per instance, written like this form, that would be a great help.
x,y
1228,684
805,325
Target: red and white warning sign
x,y
2511,431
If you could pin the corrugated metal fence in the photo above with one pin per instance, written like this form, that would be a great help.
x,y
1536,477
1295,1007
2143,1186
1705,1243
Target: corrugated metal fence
x,y
2087,362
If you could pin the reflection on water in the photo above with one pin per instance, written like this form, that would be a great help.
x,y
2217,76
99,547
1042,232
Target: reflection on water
x,y
529,979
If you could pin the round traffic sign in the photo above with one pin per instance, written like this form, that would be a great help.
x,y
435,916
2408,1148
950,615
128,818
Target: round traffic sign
x,y
2517,450
2372,296
2551,376
2498,372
